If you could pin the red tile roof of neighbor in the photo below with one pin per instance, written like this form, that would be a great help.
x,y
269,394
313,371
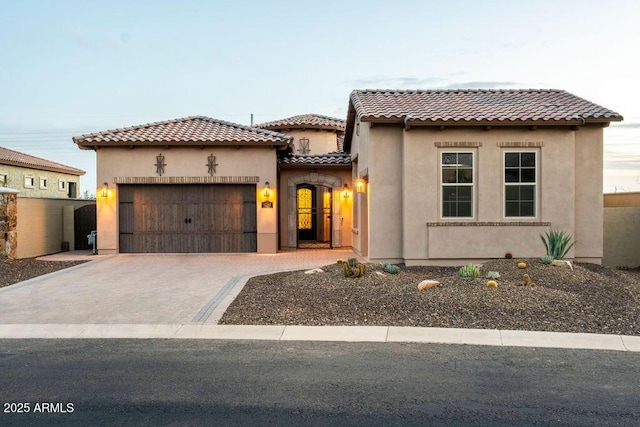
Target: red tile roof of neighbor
x,y
15,158
478,105
193,130
305,121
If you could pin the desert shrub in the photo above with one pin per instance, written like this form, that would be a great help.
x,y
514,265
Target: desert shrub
x,y
469,270
493,275
390,268
352,262
508,255
547,259
557,243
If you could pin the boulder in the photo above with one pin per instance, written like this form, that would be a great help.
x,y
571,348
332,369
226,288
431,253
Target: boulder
x,y
427,284
314,271
562,263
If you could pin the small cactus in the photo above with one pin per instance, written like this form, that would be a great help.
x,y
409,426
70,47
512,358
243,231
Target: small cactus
x,y
469,270
358,270
339,261
352,262
390,268
508,255
522,265
493,275
492,284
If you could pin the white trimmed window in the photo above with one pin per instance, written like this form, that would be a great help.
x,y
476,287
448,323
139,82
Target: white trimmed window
x,y
43,183
3,179
62,185
457,184
29,182
520,184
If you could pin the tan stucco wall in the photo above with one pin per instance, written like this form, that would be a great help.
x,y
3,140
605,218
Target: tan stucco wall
x,y
622,237
16,179
185,162
589,209
405,218
320,141
342,208
385,193
625,200
360,150
42,225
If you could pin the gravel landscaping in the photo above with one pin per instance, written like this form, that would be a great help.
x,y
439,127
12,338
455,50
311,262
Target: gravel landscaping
x,y
589,298
16,270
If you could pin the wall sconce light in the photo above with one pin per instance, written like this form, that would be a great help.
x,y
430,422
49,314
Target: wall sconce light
x,y
266,192
104,191
361,185
345,192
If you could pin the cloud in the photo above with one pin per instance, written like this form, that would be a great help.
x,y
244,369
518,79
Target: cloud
x,y
396,82
405,82
632,125
481,85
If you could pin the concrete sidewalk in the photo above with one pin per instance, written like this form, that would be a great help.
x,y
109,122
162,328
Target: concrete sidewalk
x,y
382,334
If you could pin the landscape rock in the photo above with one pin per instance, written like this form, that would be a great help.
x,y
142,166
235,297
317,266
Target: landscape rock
x,y
314,271
427,284
562,263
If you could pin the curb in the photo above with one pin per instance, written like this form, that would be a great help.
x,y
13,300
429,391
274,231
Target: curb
x,y
380,334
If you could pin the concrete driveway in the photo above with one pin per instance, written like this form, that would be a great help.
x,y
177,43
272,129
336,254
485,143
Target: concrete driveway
x,y
147,289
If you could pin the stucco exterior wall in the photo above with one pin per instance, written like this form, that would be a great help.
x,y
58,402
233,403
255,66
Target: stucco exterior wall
x,y
622,237
42,225
405,197
234,165
624,200
341,207
360,150
589,209
385,193
320,141
15,178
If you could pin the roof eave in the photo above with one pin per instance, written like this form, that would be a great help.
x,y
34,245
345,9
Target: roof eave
x,y
75,172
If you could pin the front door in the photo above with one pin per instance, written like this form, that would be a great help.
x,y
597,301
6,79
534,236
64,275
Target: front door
x,y
314,216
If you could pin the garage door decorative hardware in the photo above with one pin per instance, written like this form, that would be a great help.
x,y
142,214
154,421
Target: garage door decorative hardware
x,y
211,164
160,164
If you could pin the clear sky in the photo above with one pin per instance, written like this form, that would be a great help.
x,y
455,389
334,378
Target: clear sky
x,y
73,67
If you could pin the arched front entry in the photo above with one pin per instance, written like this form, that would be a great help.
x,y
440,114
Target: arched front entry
x,y
314,216
313,211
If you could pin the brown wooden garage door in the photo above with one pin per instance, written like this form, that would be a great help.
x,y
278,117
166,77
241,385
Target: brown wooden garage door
x,y
187,218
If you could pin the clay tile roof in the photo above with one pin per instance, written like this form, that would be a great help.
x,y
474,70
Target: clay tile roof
x,y
198,130
477,105
15,158
335,159
308,121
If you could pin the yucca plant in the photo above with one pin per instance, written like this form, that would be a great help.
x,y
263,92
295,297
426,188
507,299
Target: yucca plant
x,y
557,243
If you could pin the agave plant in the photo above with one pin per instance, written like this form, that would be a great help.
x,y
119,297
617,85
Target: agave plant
x,y
557,243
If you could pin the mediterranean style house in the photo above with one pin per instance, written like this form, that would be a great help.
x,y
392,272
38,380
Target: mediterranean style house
x,y
36,177
420,177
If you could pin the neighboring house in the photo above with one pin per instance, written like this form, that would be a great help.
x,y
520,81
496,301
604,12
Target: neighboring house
x,y
462,175
421,177
36,177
